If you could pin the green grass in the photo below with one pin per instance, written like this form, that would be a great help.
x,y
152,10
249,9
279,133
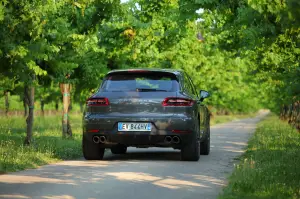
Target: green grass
x,y
270,167
48,146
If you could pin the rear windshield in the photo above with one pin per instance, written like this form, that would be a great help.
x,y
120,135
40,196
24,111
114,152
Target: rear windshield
x,y
140,82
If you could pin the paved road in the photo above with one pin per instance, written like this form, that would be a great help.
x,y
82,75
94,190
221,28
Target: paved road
x,y
140,174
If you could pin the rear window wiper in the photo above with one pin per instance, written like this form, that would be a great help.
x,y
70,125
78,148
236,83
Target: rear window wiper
x,y
149,89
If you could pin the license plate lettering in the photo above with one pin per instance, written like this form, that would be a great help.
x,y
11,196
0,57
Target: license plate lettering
x,y
134,126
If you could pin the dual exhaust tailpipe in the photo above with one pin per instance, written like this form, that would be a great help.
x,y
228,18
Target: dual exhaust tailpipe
x,y
174,139
99,139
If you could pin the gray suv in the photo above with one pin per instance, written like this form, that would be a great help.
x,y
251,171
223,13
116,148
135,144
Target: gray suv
x,y
146,108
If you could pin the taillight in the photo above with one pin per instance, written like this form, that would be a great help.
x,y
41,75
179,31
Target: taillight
x,y
93,131
175,101
97,102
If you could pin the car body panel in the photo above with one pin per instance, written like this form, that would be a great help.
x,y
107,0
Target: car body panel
x,y
132,106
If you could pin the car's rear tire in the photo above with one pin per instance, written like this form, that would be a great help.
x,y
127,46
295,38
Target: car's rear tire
x,y
118,149
205,145
91,151
191,151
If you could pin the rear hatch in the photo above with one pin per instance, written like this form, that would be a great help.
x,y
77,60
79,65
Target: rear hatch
x,y
137,93
136,96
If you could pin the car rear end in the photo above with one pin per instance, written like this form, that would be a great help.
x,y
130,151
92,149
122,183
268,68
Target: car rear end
x,y
140,108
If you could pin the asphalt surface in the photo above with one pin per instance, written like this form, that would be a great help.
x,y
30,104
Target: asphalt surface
x,y
139,174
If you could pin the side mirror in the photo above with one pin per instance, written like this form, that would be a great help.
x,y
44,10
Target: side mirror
x,y
203,94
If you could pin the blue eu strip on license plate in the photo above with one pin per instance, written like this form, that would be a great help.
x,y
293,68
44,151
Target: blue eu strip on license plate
x,y
126,126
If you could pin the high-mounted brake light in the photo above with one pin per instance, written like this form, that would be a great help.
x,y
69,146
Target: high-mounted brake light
x,y
97,102
176,101
136,70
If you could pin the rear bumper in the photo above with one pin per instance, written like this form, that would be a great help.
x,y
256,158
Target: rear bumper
x,y
141,139
161,123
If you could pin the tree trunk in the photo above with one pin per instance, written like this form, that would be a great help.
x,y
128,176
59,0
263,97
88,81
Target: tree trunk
x,y
81,107
25,106
70,104
298,116
6,102
29,95
56,105
42,107
66,126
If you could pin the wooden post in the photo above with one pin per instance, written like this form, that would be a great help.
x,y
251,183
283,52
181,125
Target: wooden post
x,y
66,126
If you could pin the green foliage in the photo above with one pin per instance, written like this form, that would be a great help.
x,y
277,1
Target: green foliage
x,y
265,35
249,57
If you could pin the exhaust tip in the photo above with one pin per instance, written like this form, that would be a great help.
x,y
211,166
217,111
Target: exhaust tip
x,y
176,139
102,139
96,139
168,139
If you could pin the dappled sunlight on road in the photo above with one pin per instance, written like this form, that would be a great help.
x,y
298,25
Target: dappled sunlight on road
x,y
15,196
171,183
208,179
86,163
176,184
132,176
26,179
234,150
237,143
141,173
68,180
59,197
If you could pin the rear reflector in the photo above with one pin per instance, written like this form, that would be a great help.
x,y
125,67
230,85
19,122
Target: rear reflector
x,y
97,102
180,131
175,101
93,131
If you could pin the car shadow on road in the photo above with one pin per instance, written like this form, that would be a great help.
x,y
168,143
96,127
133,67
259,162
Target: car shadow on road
x,y
144,155
142,173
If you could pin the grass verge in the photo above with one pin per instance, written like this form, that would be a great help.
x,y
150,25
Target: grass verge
x,y
48,145
269,167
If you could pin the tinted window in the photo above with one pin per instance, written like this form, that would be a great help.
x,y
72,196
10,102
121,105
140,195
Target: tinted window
x,y
187,85
193,86
140,81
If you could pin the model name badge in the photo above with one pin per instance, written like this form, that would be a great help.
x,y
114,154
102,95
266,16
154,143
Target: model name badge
x,y
134,101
